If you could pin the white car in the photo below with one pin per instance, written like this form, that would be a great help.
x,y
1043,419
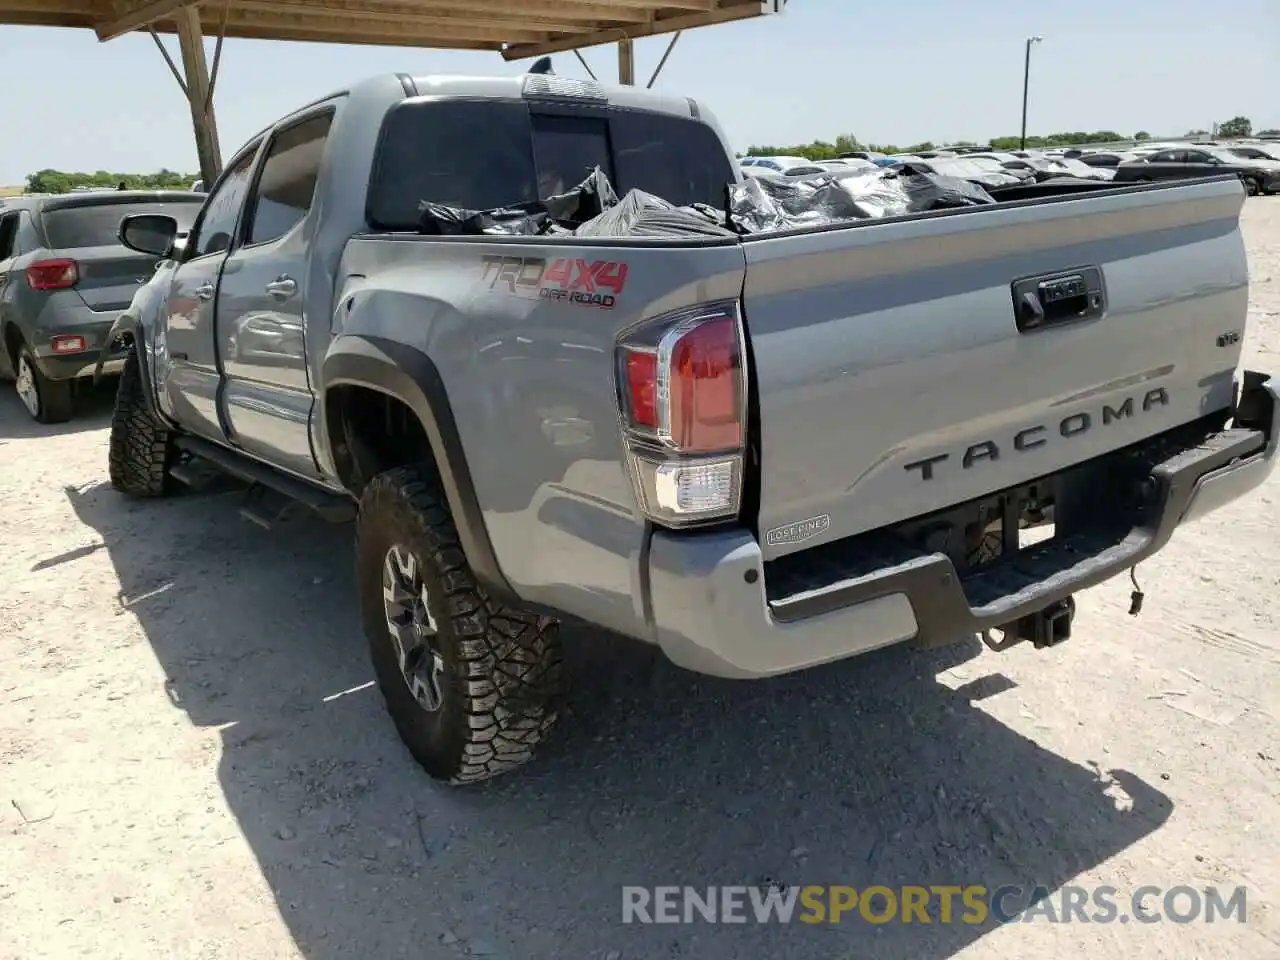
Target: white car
x,y
776,164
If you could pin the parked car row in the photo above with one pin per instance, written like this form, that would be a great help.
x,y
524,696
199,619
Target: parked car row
x,y
1256,163
1257,167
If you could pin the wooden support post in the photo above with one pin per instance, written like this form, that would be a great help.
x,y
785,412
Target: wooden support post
x,y
191,42
626,63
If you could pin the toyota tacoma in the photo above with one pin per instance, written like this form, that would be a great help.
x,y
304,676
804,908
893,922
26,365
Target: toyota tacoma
x,y
759,452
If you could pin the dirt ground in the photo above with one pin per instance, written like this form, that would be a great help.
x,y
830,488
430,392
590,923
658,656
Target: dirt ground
x,y
194,764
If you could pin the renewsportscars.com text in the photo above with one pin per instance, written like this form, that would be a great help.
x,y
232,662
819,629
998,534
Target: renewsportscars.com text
x,y
973,904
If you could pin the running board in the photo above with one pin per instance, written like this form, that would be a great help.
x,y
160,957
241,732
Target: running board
x,y
330,506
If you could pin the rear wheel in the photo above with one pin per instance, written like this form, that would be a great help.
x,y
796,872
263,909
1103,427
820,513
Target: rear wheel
x,y
48,401
472,685
141,449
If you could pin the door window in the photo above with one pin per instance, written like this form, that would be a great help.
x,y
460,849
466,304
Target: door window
x,y
217,224
287,184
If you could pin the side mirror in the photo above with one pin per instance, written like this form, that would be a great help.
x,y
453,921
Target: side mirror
x,y
151,233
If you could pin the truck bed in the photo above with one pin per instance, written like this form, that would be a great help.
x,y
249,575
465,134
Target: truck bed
x,y
896,367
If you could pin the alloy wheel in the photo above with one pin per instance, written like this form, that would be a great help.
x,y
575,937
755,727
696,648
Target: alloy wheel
x,y
26,387
412,627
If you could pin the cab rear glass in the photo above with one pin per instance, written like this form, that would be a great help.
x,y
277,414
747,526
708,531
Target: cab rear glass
x,y
480,155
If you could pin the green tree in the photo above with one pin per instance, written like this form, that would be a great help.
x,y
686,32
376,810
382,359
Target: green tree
x,y
1235,127
61,181
1142,135
847,143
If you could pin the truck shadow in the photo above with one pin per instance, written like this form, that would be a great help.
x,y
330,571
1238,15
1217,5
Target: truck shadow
x,y
866,772
92,412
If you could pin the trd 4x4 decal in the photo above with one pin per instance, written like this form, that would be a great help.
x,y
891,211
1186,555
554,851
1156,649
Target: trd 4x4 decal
x,y
594,283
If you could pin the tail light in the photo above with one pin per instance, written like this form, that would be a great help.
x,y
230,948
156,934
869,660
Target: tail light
x,y
53,274
683,397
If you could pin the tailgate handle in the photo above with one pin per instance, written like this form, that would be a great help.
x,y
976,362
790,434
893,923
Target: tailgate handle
x,y
1054,299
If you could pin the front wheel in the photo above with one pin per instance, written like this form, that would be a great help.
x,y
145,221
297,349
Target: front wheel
x,y
1252,186
472,685
141,448
48,401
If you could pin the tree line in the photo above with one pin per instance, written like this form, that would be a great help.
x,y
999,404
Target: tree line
x,y
847,142
62,181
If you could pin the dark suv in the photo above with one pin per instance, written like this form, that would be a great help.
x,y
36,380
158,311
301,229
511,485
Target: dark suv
x,y
64,277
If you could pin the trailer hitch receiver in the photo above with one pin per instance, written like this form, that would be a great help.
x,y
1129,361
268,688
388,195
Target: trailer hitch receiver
x,y
1050,626
1044,628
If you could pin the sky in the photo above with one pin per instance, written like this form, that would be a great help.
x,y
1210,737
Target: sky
x,y
940,70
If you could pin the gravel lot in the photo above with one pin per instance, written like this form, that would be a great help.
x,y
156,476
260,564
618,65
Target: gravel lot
x,y
194,764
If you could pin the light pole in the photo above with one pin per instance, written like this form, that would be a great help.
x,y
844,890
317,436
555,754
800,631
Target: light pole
x,y
1026,86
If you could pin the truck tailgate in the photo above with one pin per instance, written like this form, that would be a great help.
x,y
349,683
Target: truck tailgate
x,y
895,377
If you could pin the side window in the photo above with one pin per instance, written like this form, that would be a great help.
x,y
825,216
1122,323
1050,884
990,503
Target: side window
x,y
8,230
217,223
1196,156
1164,156
287,183
25,238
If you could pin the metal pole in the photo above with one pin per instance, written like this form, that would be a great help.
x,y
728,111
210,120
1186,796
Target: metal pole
x,y
626,63
663,62
1026,87
585,66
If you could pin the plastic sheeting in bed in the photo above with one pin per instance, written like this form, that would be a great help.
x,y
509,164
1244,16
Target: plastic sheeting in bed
x,y
762,204
756,205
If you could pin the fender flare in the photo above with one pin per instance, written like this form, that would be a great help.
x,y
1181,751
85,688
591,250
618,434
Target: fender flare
x,y
408,375
137,330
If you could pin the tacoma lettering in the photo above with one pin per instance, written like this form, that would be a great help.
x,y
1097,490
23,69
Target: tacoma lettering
x,y
1030,438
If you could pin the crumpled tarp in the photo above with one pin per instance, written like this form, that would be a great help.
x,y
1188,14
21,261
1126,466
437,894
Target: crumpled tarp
x,y
640,214
557,214
761,204
755,205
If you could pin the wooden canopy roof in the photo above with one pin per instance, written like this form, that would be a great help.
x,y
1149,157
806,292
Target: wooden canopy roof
x,y
515,28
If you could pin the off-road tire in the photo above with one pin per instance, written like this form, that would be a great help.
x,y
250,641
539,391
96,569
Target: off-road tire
x,y
141,449
54,396
503,673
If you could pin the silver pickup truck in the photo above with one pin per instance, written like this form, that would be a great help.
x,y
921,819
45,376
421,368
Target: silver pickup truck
x,y
760,452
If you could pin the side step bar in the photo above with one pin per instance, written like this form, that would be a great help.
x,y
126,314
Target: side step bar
x,y
330,506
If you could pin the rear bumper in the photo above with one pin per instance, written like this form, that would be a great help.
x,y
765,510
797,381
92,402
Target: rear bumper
x,y
712,613
78,365
67,315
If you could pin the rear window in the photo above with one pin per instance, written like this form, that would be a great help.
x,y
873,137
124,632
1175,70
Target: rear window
x,y
96,225
480,155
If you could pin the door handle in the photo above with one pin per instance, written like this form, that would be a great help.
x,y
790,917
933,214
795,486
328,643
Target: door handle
x,y
205,291
1045,301
282,288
